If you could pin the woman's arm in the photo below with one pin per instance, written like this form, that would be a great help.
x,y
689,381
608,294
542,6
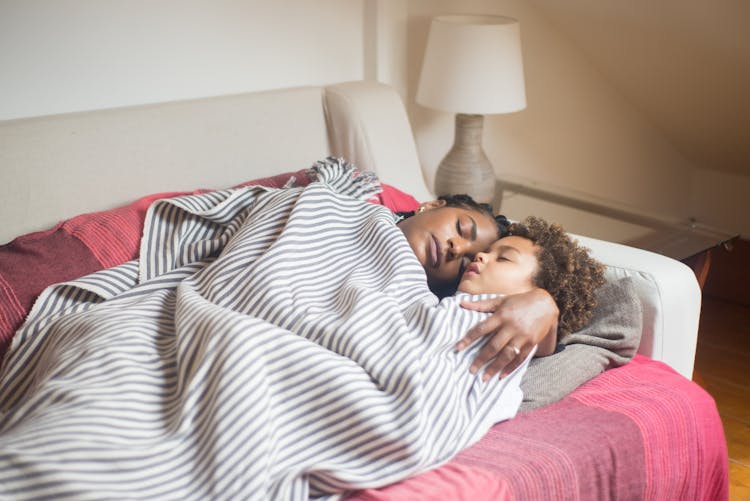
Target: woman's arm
x,y
517,324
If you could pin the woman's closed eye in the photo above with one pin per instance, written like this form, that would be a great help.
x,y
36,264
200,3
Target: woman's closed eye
x,y
466,228
460,229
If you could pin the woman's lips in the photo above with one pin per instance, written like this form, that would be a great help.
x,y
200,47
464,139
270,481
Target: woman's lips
x,y
434,251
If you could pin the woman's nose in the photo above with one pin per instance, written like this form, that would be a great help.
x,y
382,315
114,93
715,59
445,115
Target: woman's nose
x,y
458,247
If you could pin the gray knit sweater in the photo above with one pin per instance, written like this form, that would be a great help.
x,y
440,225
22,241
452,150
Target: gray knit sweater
x,y
609,340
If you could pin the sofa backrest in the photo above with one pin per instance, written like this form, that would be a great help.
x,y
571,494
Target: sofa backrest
x,y
55,167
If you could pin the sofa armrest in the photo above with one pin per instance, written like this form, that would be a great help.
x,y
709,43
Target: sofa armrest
x,y
368,125
670,297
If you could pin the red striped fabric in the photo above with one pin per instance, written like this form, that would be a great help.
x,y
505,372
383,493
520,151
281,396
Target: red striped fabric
x,y
454,482
30,263
11,309
114,236
12,314
680,419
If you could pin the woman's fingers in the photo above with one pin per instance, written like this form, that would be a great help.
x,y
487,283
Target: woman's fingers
x,y
494,348
506,362
485,305
517,323
498,350
486,326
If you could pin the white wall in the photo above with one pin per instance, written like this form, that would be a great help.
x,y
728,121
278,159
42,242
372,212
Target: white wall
x,y
577,131
386,39
722,200
60,56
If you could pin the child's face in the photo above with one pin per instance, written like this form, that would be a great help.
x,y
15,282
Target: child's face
x,y
506,268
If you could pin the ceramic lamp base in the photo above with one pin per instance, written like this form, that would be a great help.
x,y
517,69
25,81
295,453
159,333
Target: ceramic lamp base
x,y
466,169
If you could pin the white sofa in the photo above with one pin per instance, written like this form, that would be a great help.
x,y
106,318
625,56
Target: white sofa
x,y
52,168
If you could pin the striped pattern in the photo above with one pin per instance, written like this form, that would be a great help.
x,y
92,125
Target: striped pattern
x,y
269,344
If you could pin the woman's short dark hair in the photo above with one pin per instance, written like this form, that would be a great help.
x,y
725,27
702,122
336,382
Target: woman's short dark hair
x,y
466,202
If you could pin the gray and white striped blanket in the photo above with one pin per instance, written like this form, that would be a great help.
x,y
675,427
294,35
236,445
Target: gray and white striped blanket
x,y
269,344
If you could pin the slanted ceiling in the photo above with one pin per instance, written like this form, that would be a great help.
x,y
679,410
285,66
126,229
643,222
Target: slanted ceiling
x,y
685,64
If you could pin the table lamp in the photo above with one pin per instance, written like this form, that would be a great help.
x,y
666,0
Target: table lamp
x,y
472,67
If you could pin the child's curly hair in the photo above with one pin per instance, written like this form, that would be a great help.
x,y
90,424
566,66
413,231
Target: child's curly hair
x,y
566,271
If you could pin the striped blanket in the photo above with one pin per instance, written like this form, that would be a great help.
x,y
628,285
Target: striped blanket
x,y
269,344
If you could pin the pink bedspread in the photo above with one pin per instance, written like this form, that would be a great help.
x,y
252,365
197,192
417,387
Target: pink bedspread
x,y
640,431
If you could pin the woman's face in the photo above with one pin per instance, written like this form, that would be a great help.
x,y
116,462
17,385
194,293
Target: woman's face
x,y
508,267
445,240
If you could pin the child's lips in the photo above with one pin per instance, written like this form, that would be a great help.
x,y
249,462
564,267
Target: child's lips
x,y
472,269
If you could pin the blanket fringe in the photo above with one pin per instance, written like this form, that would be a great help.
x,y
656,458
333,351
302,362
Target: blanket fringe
x,y
345,177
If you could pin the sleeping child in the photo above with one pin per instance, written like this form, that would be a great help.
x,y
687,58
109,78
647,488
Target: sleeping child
x,y
539,254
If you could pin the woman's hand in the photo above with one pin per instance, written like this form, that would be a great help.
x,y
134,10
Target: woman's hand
x,y
518,323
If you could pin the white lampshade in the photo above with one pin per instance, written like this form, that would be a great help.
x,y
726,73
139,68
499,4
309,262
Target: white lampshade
x,y
473,65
